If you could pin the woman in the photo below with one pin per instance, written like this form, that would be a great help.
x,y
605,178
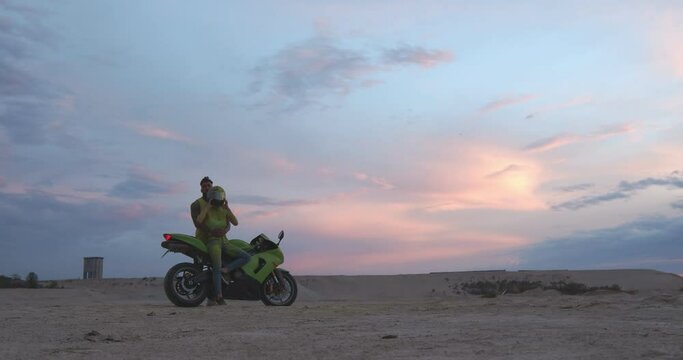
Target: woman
x,y
215,220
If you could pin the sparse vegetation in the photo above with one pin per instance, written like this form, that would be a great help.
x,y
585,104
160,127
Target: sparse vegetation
x,y
570,288
489,295
51,285
31,282
492,289
12,282
573,288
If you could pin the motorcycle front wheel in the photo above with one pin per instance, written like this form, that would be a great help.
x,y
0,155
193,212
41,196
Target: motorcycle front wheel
x,y
182,286
279,294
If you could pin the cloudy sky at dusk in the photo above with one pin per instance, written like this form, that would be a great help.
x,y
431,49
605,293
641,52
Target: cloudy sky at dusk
x,y
383,137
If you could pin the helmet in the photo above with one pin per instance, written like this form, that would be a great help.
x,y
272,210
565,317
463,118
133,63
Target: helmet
x,y
216,195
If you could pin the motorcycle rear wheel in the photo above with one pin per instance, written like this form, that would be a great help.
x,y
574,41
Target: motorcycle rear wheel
x,y
283,294
181,285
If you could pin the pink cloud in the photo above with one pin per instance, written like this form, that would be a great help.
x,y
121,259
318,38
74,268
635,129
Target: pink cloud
x,y
480,176
555,142
475,176
374,180
370,83
281,163
552,143
461,245
397,255
614,130
159,133
327,171
510,168
667,49
505,102
137,211
446,177
660,158
443,177
9,187
356,218
417,55
261,215
583,100
184,216
67,102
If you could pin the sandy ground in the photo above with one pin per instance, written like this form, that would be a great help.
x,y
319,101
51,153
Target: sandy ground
x,y
412,316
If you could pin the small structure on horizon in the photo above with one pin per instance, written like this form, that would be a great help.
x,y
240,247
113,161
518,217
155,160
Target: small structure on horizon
x,y
92,267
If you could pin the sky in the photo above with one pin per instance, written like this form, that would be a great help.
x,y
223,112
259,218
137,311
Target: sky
x,y
383,137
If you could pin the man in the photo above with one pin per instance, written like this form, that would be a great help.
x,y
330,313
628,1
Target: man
x,y
199,204
201,230
198,210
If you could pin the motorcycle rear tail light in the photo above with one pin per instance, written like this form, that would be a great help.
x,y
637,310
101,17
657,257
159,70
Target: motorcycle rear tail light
x,y
167,237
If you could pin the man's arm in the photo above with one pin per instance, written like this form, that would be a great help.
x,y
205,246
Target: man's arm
x,y
195,210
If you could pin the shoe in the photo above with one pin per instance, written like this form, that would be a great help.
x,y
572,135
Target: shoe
x,y
220,301
211,302
225,278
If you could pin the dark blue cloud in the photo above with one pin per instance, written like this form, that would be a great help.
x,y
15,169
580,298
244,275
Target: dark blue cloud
x,y
303,74
577,187
675,180
653,242
300,73
25,122
139,185
266,201
43,234
591,200
27,103
625,190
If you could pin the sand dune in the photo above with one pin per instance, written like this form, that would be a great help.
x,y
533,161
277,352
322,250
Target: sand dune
x,y
395,287
355,317
388,287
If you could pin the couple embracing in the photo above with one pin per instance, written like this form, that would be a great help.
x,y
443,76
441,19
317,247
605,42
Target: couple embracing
x,y
212,217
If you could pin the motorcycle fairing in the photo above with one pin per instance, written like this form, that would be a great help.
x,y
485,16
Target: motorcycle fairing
x,y
190,240
261,264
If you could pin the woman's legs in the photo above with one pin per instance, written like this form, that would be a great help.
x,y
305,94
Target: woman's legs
x,y
237,259
236,256
214,248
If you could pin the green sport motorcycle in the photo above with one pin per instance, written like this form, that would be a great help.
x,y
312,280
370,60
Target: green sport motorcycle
x,y
188,284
